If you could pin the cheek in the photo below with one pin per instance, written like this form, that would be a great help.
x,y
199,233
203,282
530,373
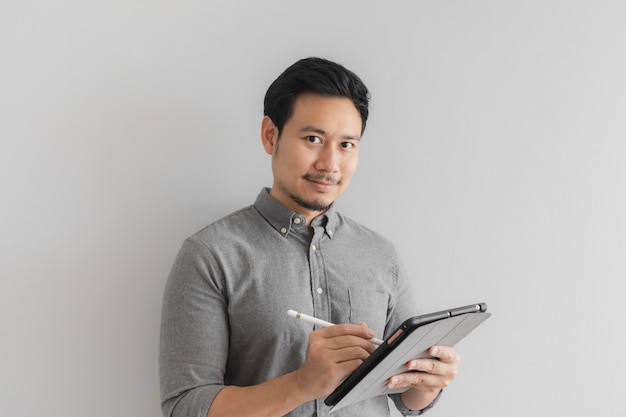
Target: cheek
x,y
291,165
299,162
350,167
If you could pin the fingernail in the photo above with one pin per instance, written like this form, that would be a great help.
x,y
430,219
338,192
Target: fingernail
x,y
434,350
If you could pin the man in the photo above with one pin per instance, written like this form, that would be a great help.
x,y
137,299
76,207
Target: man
x,y
228,347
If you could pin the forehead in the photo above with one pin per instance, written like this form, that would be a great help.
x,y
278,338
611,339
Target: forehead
x,y
326,112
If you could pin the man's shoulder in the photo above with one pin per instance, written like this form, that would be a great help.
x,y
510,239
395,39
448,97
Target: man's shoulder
x,y
228,226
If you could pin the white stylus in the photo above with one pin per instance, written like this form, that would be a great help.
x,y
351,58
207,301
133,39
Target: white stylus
x,y
322,323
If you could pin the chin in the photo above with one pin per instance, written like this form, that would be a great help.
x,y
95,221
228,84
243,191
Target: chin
x,y
313,204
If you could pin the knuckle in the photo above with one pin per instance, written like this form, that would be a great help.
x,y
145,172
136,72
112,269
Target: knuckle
x,y
315,345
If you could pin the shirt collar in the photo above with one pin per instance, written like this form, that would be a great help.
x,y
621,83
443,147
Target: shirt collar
x,y
283,220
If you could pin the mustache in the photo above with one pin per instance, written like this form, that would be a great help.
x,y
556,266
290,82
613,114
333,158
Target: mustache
x,y
327,178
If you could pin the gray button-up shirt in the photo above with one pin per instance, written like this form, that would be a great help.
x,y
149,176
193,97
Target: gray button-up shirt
x,y
225,306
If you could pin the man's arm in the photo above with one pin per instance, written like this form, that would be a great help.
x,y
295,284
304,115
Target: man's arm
x,y
332,354
435,374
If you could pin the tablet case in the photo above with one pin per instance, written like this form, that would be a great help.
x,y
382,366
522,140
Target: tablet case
x,y
370,378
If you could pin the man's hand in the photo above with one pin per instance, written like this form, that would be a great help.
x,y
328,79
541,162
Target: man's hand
x,y
332,354
434,374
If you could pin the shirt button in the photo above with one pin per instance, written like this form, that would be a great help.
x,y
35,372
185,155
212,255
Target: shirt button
x,y
283,230
319,291
330,232
313,247
296,220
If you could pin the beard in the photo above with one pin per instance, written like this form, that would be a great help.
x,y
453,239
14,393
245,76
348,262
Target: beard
x,y
317,204
314,205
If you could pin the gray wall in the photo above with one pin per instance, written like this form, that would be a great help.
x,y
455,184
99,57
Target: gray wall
x,y
494,157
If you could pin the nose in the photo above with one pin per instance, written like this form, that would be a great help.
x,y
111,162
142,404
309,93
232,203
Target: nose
x,y
328,159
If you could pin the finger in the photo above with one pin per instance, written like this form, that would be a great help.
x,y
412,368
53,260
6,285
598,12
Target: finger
x,y
348,341
445,354
348,329
348,353
420,380
345,368
339,348
431,366
434,366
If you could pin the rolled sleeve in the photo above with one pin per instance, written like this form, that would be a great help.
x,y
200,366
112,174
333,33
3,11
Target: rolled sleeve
x,y
194,335
397,400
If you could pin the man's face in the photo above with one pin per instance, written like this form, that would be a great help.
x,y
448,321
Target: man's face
x,y
317,153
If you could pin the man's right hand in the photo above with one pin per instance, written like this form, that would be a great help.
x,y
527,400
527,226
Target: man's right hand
x,y
332,354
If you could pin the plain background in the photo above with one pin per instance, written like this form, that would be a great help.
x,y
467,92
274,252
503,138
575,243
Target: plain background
x,y
494,157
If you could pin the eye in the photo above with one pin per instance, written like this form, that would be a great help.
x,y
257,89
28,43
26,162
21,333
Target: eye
x,y
347,145
313,139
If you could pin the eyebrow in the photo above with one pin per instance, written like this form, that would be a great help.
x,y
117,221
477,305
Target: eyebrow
x,y
313,129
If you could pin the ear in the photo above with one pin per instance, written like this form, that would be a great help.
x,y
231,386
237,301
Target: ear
x,y
269,135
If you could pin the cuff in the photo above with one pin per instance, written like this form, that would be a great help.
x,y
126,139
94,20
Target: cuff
x,y
407,412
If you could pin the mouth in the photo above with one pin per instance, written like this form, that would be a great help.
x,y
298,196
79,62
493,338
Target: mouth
x,y
319,186
322,183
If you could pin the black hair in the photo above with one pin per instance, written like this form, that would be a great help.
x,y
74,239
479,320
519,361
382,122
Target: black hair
x,y
314,75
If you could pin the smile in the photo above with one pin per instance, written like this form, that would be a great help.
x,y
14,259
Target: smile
x,y
320,186
322,182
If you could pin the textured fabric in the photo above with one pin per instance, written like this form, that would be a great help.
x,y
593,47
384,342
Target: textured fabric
x,y
224,310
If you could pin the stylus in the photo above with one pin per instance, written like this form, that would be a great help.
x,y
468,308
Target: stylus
x,y
322,323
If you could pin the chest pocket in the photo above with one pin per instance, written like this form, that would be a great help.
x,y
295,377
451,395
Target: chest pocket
x,y
356,305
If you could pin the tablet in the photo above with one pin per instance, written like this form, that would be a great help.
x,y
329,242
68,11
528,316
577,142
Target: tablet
x,y
410,340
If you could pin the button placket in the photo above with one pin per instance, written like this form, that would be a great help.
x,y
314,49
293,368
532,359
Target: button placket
x,y
318,280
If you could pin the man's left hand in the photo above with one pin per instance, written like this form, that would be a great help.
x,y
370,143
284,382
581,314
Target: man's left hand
x,y
434,373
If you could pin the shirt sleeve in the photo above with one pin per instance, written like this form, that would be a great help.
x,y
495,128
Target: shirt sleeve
x,y
194,334
403,303
407,412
